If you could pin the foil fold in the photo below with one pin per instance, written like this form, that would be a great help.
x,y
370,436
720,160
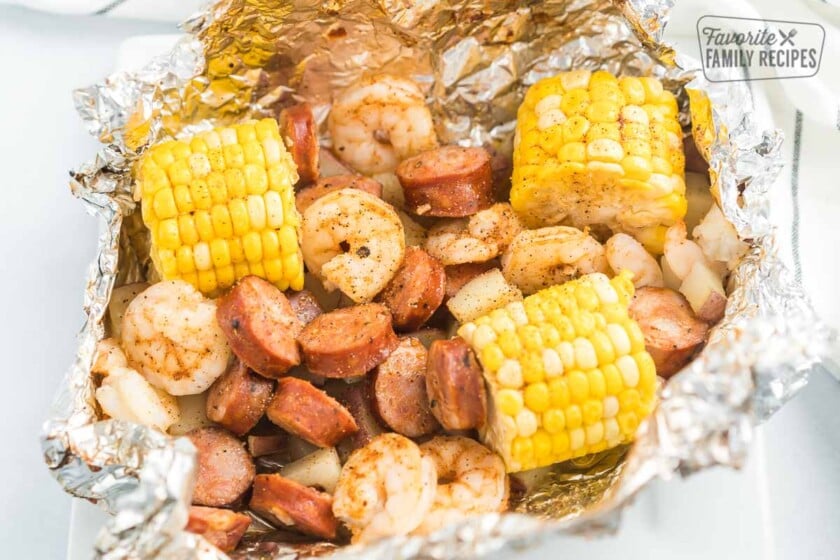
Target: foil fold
x,y
244,59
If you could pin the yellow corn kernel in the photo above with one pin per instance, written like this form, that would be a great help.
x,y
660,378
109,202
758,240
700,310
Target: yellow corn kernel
x,y
225,277
597,383
168,262
200,194
542,446
239,219
183,199
273,269
537,397
256,179
492,357
222,225
179,173
207,281
217,188
219,253
509,402
164,204
184,256
235,183
256,211
167,234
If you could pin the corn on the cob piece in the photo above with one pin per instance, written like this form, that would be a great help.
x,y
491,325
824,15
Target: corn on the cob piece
x,y
566,370
221,205
591,148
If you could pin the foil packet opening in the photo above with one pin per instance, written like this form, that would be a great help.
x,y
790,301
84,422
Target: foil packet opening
x,y
242,59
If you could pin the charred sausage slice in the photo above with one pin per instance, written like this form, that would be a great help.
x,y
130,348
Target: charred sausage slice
x,y
224,469
348,342
307,196
672,333
415,291
399,390
221,527
448,182
237,400
287,503
298,127
260,326
307,412
455,385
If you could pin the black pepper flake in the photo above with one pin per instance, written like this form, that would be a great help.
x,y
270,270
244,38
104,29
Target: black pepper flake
x,y
363,252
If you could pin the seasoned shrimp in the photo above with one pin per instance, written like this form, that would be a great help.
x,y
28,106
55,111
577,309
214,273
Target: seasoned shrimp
x,y
109,356
472,481
354,242
624,252
478,239
126,395
380,121
682,254
171,336
385,488
543,257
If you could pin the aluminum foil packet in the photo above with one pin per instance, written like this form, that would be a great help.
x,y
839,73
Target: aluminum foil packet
x,y
246,58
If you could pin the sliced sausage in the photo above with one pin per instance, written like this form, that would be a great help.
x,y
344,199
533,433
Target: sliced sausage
x,y
260,326
220,527
672,333
458,275
307,196
287,503
224,469
348,342
455,385
399,390
298,127
415,291
237,400
448,182
305,305
307,412
356,397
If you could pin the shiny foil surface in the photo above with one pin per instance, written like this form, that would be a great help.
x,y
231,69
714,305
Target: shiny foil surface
x,y
475,59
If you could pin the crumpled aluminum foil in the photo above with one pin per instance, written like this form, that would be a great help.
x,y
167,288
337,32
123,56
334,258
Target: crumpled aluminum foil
x,y
475,59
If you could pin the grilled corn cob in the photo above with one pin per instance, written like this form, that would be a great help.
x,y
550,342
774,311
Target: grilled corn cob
x,y
593,149
221,206
566,370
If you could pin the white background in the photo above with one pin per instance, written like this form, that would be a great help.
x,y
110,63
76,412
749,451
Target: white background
x,y
783,506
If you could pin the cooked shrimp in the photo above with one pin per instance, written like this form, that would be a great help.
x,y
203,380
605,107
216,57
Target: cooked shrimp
x,y
624,252
109,355
171,336
126,395
385,488
472,481
682,253
478,239
543,257
352,241
380,121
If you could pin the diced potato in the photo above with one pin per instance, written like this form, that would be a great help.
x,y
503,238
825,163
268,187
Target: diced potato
x,y
481,295
718,239
193,414
320,468
670,277
699,197
120,298
392,191
704,292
